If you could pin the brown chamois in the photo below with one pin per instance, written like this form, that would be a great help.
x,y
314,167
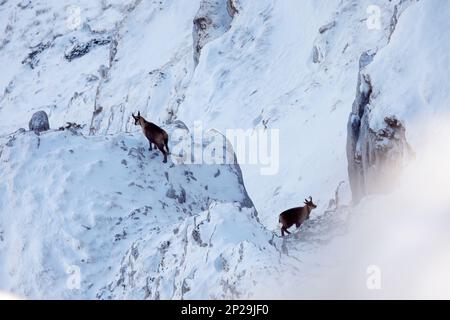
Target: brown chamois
x,y
154,134
295,216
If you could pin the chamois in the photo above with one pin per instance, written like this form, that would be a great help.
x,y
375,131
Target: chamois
x,y
154,134
295,216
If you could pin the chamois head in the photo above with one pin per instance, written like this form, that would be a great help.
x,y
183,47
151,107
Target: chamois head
x,y
136,118
309,203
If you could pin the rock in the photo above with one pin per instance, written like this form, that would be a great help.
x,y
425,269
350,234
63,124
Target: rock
x,y
77,50
172,194
375,157
39,122
327,27
32,58
317,55
232,8
321,44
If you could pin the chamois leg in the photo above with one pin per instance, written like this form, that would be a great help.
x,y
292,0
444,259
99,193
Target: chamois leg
x,y
150,146
283,230
161,148
166,144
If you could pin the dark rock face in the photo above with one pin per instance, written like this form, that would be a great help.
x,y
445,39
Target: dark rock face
x,y
374,158
232,8
212,20
39,122
32,58
80,49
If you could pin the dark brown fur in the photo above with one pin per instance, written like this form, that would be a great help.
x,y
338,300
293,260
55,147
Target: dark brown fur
x,y
296,216
154,134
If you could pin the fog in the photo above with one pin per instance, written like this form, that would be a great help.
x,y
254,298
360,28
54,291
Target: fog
x,y
397,244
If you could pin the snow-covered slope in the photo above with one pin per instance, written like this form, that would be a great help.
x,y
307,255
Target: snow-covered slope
x,y
399,94
109,211
396,244
412,90
284,65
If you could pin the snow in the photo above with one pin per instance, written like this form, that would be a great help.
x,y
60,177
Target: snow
x,y
262,70
95,202
412,90
71,202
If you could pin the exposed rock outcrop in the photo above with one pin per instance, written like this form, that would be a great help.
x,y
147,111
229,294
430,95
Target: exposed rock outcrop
x,y
39,122
321,43
213,19
77,50
375,156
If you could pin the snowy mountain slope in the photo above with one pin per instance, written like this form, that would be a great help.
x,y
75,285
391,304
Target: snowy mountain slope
x,y
130,226
397,100
262,74
401,235
284,65
265,65
36,74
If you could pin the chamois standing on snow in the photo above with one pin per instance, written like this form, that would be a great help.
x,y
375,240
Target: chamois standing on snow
x,y
296,216
154,134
